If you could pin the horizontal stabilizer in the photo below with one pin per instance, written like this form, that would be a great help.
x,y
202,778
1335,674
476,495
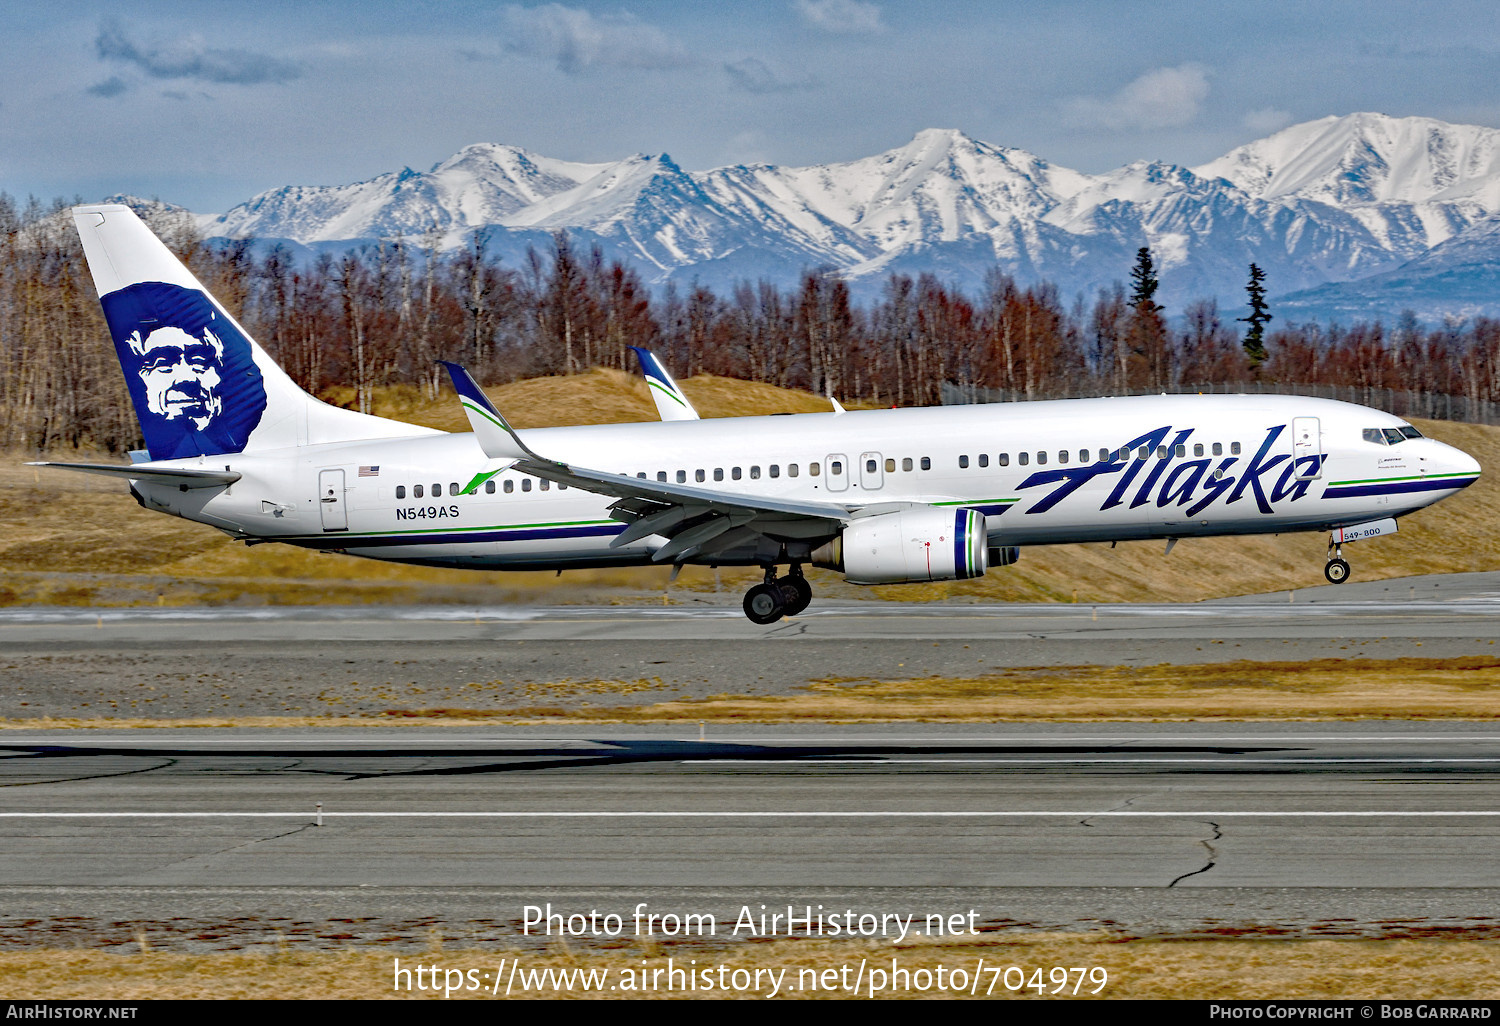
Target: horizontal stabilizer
x,y
179,478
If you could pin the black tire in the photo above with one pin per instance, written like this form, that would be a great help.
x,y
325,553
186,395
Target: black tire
x,y
763,604
1337,571
796,595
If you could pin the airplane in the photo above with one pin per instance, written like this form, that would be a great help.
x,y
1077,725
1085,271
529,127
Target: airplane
x,y
881,496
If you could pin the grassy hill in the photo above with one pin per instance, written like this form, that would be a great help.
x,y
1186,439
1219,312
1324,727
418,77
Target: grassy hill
x,y
77,539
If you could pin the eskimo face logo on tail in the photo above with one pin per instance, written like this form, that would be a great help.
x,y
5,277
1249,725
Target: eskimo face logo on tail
x,y
191,374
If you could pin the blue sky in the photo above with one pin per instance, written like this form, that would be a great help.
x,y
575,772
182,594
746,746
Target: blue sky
x,y
205,104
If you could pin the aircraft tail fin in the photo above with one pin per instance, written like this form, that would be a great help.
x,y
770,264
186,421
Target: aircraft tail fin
x,y
200,384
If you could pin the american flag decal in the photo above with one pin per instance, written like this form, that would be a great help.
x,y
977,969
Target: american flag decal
x,y
369,471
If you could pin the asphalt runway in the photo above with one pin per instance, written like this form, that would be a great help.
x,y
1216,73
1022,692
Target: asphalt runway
x,y
1344,829
210,838
320,660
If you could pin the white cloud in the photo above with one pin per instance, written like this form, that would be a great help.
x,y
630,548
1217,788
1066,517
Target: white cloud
x,y
1267,120
188,57
1163,98
578,40
847,17
753,76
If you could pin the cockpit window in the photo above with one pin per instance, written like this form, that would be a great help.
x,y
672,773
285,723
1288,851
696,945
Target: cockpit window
x,y
1391,436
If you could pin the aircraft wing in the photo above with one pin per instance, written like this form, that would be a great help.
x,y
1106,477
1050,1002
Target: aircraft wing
x,y
697,521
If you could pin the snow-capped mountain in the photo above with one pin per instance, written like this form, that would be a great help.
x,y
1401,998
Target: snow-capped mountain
x,y
1330,201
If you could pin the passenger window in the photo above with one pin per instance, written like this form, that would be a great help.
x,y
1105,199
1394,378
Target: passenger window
x,y
545,484
562,487
835,467
453,488
1104,456
1143,452
775,469
754,472
813,469
699,475
906,463
1161,452
437,490
1198,449
416,491
525,484
984,459
1181,450
1083,455
735,473
1062,455
926,462
401,491
1234,448
1041,459
791,470
718,473
1023,458
661,475
1218,448
1003,459
870,466
682,477
510,486
489,488
963,463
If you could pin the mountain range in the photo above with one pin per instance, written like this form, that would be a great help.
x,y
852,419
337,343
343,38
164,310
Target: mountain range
x,y
1351,217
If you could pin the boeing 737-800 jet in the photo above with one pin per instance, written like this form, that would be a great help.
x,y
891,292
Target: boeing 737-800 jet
x,y
882,496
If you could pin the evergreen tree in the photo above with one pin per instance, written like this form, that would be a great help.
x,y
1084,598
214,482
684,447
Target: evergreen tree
x,y
1143,283
1149,363
1255,344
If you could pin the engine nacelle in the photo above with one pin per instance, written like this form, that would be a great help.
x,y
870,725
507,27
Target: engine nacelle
x,y
918,544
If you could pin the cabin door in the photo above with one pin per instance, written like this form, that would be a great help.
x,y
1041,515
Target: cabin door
x,y
331,500
1307,448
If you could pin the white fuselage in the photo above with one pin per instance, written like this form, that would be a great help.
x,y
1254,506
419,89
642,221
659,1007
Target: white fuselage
x,y
1042,473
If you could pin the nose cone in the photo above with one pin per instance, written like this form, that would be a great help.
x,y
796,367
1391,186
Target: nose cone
x,y
1449,461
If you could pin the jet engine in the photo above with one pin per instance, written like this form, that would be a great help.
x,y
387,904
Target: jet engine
x,y
919,543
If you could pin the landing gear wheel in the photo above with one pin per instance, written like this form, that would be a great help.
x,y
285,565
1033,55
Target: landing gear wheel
x,y
1337,571
796,594
763,604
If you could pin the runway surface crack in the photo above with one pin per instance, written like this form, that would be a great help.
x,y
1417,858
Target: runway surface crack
x,y
242,844
1127,803
94,776
1213,855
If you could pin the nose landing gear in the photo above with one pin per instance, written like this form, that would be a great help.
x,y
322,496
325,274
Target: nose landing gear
x,y
776,597
1336,569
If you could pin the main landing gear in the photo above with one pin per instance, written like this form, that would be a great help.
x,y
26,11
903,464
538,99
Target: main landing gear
x,y
1336,569
776,597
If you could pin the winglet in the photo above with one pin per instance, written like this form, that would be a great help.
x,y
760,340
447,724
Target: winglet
x,y
671,404
497,438
838,407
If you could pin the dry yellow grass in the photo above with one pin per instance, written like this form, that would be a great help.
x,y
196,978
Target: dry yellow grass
x,y
1201,969
1322,689
72,539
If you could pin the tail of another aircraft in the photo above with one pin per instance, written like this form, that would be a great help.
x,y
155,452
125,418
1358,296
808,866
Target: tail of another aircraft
x,y
200,385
